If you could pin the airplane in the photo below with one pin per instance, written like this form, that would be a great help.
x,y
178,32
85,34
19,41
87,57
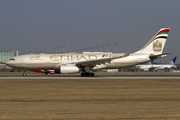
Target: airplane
x,y
85,63
146,67
155,67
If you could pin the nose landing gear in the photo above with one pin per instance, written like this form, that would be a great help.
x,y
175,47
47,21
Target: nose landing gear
x,y
24,74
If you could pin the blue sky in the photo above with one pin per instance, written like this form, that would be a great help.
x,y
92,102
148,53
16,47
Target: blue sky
x,y
38,26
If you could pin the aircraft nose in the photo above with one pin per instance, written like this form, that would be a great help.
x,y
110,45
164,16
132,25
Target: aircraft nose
x,y
7,62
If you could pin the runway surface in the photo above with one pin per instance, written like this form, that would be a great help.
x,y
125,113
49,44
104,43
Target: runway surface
x,y
100,77
28,98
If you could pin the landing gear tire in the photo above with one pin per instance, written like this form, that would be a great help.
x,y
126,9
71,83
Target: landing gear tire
x,y
46,73
24,74
87,74
82,74
92,74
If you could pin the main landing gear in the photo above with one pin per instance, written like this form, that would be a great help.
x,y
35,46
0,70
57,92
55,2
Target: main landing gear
x,y
24,74
87,74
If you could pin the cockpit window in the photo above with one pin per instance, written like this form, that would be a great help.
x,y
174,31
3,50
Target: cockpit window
x,y
12,59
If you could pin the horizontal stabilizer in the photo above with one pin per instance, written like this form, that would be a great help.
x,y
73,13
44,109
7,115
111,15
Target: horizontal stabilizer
x,y
152,57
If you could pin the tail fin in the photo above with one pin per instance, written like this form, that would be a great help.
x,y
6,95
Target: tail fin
x,y
173,61
150,62
157,42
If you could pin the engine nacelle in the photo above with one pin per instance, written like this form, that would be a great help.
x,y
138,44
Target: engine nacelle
x,y
66,69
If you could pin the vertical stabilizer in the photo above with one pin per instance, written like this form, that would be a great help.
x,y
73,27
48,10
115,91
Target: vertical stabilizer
x,y
157,42
173,61
150,62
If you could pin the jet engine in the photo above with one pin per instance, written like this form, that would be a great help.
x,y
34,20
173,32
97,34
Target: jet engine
x,y
66,69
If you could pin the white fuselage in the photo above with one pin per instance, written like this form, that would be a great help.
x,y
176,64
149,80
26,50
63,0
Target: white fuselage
x,y
53,61
155,67
86,62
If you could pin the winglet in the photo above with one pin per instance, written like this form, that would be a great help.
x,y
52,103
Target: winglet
x,y
127,54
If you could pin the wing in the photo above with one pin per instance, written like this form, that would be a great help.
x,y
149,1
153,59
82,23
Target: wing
x,y
99,61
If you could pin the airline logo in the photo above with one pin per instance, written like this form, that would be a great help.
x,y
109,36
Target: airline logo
x,y
157,46
72,57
